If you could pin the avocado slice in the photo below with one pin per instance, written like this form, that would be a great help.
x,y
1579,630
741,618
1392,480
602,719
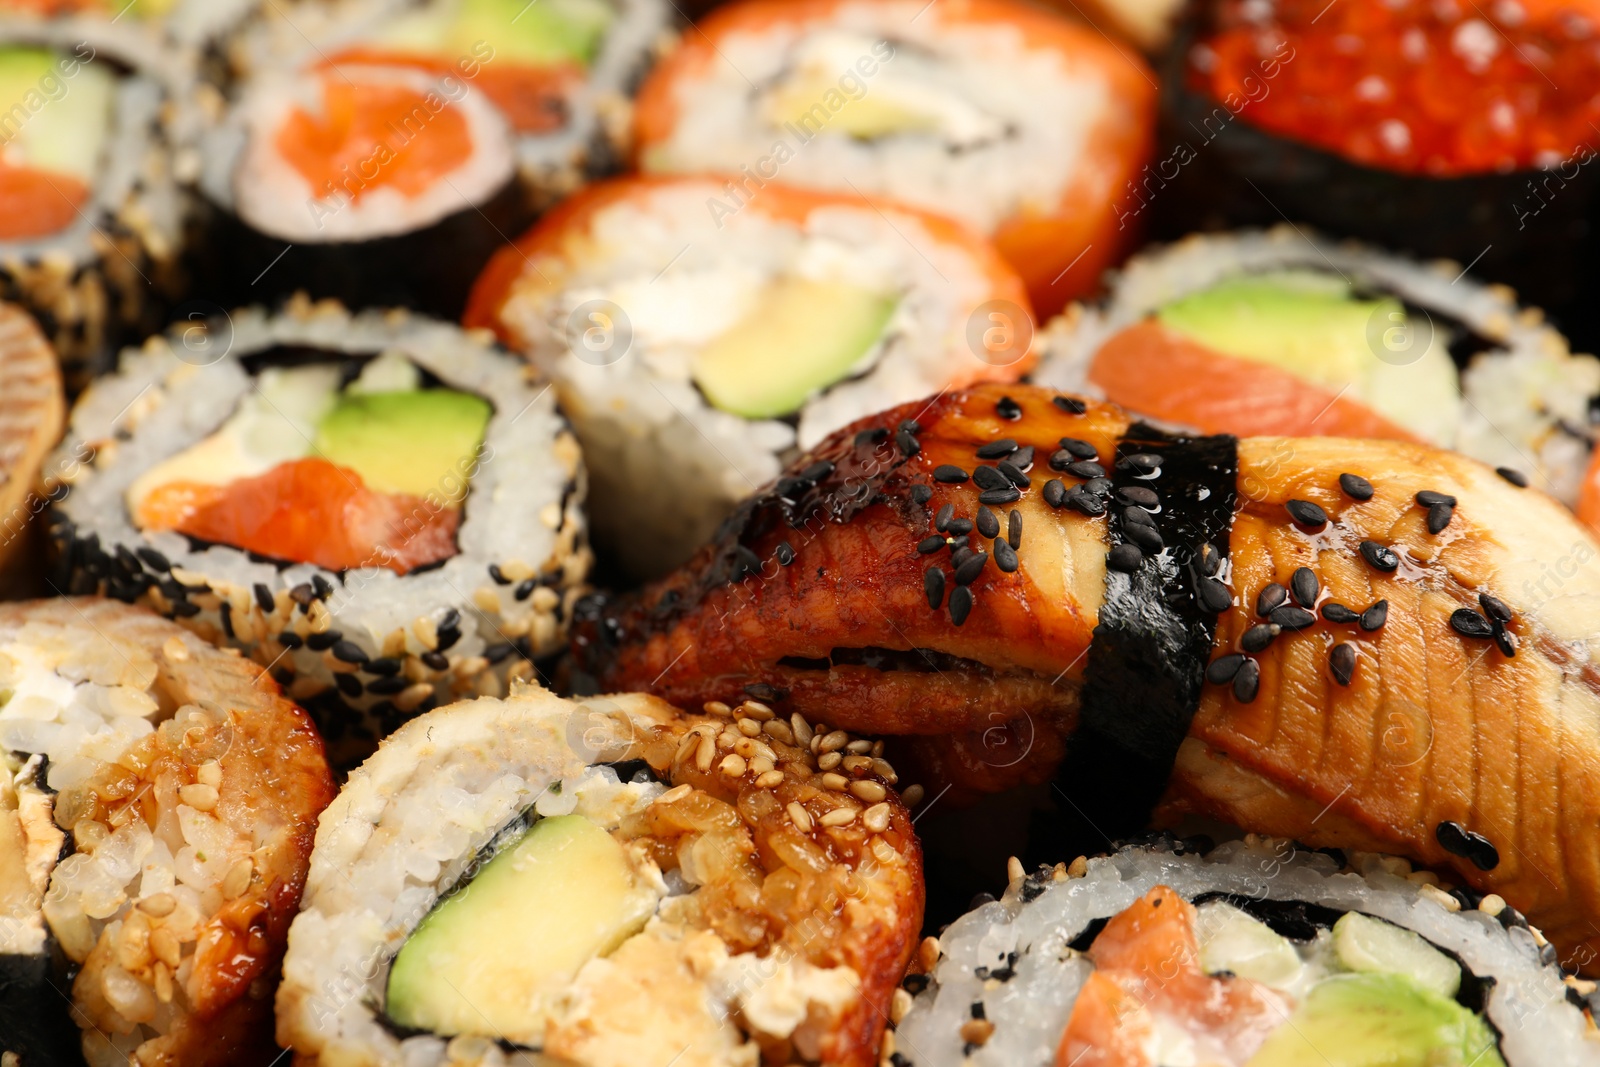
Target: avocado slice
x,y
481,960
55,123
816,101
1364,944
538,34
1379,1020
1312,325
801,336
418,442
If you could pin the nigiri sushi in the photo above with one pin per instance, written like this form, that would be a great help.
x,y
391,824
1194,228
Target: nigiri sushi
x,y
1354,643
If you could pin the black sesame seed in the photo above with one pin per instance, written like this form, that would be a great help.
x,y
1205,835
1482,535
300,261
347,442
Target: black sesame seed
x,y
1427,498
941,521
450,619
384,666
290,639
184,609
264,597
930,544
910,426
1009,495
1303,583
1061,459
1137,516
525,588
1469,623
1144,462
969,569
387,686
1208,558
1148,538
498,575
1514,476
959,549
921,494
1475,848
1079,449
1375,616
1099,485
1005,557
153,559
1334,611
1342,662
448,636
323,641
1247,683
960,604
907,443
817,471
1008,409
997,449
1070,404
1270,599
323,587
1023,459
225,610
1214,596
302,594
349,652
1506,641
785,553
1355,487
1055,493
1079,500
986,477
959,526
1380,556
791,488
871,437
1259,636
1511,918
1013,473
933,586
988,522
1014,528
1306,513
1124,558
1494,607
1221,670
348,684
1085,468
435,661
497,652
1439,516
1292,618
949,474
1136,495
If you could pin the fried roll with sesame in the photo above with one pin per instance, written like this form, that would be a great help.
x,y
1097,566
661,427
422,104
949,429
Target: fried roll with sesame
x,y
157,804
605,882
1372,644
382,508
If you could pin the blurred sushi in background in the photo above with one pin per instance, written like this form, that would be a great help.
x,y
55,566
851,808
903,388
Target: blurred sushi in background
x,y
700,330
31,419
1018,122
384,510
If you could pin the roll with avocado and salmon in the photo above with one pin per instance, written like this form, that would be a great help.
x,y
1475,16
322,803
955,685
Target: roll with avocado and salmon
x,y
1017,121
91,212
1256,953
383,509
386,148
696,346
1286,333
157,804
605,882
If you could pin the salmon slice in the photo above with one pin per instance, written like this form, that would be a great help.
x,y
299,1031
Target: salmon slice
x,y
356,133
1159,372
310,511
532,98
1588,508
35,202
1147,967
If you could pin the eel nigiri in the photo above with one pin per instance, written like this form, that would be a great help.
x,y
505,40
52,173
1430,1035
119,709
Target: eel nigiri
x,y
1369,644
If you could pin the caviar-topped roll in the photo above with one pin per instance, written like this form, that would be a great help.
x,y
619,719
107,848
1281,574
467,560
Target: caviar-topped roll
x,y
1019,122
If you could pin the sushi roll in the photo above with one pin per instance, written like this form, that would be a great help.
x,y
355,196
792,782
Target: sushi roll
x,y
31,419
157,804
1017,121
1447,130
532,880
698,335
1285,332
385,148
378,507
1255,952
91,116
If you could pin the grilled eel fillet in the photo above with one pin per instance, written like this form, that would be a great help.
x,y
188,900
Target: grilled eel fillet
x,y
1467,736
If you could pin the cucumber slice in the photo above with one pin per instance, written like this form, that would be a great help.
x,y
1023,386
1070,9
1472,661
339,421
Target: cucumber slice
x,y
55,122
1364,944
1234,941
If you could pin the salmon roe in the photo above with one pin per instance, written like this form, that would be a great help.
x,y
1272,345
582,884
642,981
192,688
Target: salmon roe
x,y
1435,87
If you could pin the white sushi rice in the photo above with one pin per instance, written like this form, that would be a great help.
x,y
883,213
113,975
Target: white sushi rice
x,y
522,515
1013,122
1527,1002
1524,403
670,275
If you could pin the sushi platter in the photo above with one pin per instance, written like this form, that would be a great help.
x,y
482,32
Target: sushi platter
x,y
799,533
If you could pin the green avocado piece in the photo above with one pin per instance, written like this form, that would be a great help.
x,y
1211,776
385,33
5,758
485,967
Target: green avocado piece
x,y
1312,325
1379,1020
50,119
536,34
544,906
418,442
802,336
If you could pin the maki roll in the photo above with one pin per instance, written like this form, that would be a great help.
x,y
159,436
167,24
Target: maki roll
x,y
532,880
698,336
31,419
386,148
378,507
157,804
1019,122
93,217
1281,332
1454,130
1256,953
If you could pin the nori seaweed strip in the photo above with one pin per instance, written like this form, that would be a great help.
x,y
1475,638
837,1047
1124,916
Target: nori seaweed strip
x,y
36,1009
1147,659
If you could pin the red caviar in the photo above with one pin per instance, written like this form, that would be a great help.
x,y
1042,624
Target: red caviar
x,y
1436,87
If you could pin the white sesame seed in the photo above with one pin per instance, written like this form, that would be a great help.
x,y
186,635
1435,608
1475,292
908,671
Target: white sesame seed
x,y
836,782
839,817
834,741
732,765
876,818
829,760
769,779
859,747
869,790
801,730
799,816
